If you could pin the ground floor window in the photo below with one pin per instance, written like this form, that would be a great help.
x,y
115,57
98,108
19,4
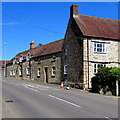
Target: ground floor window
x,y
53,71
27,70
14,72
97,65
38,72
20,71
65,69
11,72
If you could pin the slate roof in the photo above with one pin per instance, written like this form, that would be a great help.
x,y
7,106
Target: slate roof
x,y
98,27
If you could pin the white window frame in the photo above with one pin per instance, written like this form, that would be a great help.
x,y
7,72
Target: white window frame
x,y
38,72
14,61
97,65
14,72
11,72
53,71
66,51
28,56
21,59
28,70
20,71
99,47
65,69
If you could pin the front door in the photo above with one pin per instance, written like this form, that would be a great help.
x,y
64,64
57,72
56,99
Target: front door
x,y
46,75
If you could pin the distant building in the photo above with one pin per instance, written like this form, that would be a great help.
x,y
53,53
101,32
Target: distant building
x,y
3,67
42,63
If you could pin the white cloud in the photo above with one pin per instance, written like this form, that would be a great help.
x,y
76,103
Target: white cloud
x,y
12,23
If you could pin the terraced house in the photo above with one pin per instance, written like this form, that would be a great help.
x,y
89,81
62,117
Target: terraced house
x,y
90,42
42,63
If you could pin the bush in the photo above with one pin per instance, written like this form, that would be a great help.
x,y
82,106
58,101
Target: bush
x,y
105,80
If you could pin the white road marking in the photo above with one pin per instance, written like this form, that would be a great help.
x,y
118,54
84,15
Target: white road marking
x,y
108,118
65,101
31,88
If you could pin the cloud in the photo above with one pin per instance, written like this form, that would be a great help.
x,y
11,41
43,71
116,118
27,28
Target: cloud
x,y
12,23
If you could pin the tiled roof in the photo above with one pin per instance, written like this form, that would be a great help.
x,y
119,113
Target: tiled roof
x,y
46,49
3,61
98,27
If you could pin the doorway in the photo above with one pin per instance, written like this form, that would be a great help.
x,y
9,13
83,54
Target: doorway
x,y
46,75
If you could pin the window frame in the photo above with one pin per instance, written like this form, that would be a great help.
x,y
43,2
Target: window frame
x,y
38,72
28,70
99,47
65,69
53,71
95,67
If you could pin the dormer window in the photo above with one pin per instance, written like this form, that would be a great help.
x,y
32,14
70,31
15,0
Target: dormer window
x,y
54,57
14,61
21,59
28,57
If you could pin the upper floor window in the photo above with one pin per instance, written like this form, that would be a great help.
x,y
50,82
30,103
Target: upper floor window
x,y
99,47
38,72
21,58
28,56
14,61
97,65
66,51
65,69
53,71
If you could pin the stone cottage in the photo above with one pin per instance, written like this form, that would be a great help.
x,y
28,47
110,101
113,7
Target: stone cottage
x,y
90,42
42,63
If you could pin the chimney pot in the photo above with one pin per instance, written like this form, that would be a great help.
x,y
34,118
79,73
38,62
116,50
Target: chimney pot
x,y
74,11
32,44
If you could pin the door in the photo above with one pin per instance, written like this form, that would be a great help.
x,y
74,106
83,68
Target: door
x,y
46,75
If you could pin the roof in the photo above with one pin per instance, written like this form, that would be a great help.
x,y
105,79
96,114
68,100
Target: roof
x,y
2,62
98,27
46,49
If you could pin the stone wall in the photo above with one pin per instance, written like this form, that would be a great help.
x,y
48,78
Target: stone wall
x,y
46,62
110,58
74,44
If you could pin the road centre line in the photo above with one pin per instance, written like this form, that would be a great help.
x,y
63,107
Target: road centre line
x,y
65,101
108,118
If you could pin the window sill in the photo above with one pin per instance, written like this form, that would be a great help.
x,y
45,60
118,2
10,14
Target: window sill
x,y
99,52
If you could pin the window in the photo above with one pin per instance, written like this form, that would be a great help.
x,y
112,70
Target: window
x,y
65,69
27,71
99,47
97,65
66,51
21,58
20,71
14,61
11,72
14,72
38,72
53,71
28,57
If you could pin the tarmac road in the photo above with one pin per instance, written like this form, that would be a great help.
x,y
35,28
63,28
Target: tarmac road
x,y
25,99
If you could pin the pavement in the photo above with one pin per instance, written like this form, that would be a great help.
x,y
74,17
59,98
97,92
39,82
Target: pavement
x,y
25,99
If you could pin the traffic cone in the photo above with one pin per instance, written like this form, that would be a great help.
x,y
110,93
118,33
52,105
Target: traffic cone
x,y
62,86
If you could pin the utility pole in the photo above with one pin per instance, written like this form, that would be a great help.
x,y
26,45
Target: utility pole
x,y
5,44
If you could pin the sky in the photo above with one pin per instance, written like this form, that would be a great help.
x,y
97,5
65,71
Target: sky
x,y
43,22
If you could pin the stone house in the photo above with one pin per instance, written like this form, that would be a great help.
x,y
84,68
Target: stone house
x,y
3,67
90,42
42,63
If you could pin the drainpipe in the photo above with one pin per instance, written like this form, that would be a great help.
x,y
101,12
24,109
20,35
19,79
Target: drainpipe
x,y
88,59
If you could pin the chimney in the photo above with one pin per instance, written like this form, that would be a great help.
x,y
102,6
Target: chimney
x,y
74,11
32,44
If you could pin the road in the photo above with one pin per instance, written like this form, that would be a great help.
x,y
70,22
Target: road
x,y
25,99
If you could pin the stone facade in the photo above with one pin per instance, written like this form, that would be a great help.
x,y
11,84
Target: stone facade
x,y
74,57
